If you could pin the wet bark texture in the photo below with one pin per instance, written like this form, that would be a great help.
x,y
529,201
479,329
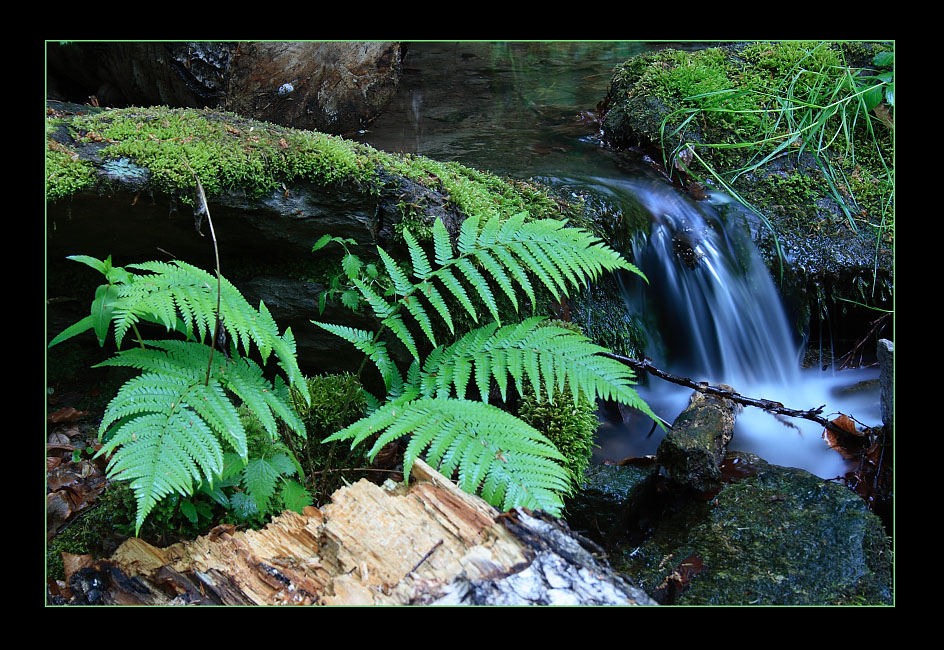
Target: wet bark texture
x,y
430,543
331,87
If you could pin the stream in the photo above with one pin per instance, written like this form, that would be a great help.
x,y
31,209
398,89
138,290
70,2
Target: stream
x,y
713,312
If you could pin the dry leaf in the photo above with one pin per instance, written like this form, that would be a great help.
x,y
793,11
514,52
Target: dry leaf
x,y
72,563
881,112
67,414
846,423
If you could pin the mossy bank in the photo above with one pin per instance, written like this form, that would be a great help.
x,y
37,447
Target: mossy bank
x,y
122,183
803,132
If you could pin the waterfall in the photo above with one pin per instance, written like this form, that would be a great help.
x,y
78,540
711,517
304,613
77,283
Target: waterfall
x,y
713,313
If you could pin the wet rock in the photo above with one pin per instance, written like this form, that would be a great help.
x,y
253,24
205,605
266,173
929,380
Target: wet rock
x,y
886,360
772,536
691,453
604,508
824,230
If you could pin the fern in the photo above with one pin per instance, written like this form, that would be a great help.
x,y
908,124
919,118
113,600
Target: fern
x,y
494,453
168,426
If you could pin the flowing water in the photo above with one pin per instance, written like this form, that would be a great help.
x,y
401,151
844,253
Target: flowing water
x,y
712,310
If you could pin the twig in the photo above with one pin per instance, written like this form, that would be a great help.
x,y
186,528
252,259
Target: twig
x,y
846,359
424,558
703,387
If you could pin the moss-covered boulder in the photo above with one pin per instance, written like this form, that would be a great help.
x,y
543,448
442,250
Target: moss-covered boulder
x,y
801,131
772,536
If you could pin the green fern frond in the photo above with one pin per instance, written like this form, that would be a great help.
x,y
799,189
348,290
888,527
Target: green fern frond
x,y
485,444
165,426
167,289
544,356
494,453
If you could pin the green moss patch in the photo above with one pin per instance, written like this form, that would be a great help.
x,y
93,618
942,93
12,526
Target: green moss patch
x,y
232,154
725,114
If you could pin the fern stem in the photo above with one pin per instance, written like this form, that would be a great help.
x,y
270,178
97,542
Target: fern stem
x,y
134,326
205,208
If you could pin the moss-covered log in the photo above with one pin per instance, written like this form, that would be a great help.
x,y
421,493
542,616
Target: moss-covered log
x,y
121,183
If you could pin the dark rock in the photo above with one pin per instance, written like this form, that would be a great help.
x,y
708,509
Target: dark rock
x,y
773,536
335,87
604,508
691,453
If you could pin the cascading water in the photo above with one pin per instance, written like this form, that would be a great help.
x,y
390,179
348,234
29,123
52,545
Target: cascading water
x,y
713,313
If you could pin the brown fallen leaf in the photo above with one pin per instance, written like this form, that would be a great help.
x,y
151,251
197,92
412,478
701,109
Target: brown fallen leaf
x,y
847,440
67,414
846,423
72,563
58,510
881,112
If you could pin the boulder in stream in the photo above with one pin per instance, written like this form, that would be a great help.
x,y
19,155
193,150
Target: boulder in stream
x,y
692,451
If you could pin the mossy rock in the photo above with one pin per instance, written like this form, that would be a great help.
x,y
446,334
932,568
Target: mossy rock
x,y
781,536
826,205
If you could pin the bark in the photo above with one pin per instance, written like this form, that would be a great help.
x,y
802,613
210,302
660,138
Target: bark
x,y
429,543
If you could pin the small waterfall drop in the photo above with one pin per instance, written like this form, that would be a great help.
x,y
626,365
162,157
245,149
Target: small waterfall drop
x,y
713,313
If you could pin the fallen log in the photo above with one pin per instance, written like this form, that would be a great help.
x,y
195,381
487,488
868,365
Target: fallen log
x,y
335,87
426,543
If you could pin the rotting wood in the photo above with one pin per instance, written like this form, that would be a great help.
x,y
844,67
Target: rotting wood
x,y
425,543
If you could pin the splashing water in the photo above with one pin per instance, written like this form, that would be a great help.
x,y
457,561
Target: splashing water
x,y
713,313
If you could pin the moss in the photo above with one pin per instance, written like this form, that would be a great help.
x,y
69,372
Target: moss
x,y
783,536
226,152
230,153
570,426
65,173
735,105
336,402
781,125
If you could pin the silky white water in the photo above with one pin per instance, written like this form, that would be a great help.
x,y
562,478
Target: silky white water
x,y
713,313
